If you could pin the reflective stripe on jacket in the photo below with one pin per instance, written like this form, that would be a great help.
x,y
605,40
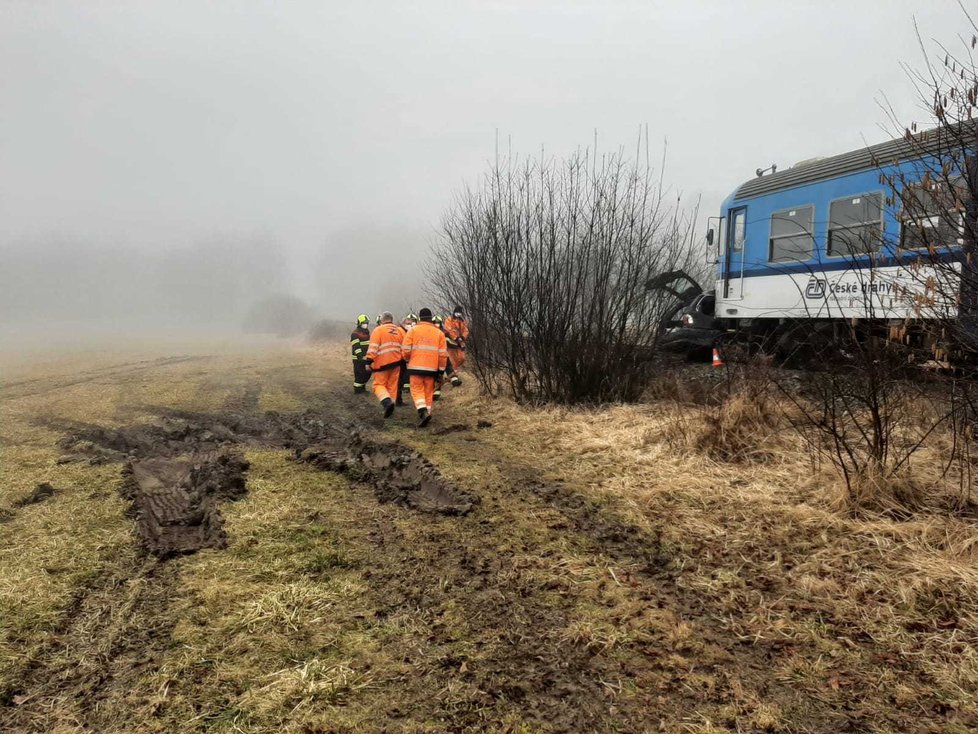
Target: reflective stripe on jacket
x,y
457,331
360,342
384,352
425,349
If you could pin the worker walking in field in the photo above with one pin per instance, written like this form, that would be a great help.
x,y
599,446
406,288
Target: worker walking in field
x,y
407,323
359,343
384,360
457,332
425,351
449,368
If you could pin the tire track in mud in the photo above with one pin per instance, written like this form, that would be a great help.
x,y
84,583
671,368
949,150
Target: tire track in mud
x,y
648,568
739,664
178,470
9,389
175,475
175,501
397,473
246,402
513,659
562,685
113,631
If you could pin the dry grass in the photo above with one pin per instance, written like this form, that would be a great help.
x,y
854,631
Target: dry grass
x,y
739,428
764,539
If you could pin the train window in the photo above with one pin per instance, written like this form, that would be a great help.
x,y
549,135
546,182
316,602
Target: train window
x,y
739,224
932,214
855,225
791,234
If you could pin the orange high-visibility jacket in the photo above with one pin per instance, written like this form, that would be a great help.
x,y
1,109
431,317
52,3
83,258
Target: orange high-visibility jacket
x,y
457,331
425,349
384,352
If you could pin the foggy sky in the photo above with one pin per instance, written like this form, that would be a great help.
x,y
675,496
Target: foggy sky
x,y
314,145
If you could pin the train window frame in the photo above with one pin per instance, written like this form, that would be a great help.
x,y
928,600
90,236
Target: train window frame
x,y
810,231
830,229
737,243
959,182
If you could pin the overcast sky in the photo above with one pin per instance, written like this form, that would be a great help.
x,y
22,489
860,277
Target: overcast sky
x,y
165,124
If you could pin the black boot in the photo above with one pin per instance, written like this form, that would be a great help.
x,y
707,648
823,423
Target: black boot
x,y
456,380
437,395
424,417
400,400
359,389
388,407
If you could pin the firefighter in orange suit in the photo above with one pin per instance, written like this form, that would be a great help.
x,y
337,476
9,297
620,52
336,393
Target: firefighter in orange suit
x,y
384,360
457,331
425,351
403,383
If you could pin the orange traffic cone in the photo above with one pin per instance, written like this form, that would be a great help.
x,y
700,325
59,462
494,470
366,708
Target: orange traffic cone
x,y
717,362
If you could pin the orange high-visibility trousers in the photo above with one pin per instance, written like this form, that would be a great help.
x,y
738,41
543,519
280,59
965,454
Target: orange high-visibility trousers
x,y
385,383
423,391
458,358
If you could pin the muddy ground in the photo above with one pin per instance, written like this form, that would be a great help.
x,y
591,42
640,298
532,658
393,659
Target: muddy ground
x,y
179,469
485,594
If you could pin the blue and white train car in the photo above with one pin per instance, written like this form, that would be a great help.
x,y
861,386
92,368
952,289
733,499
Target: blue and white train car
x,y
827,239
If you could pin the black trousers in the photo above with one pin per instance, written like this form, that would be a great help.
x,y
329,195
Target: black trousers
x,y
360,375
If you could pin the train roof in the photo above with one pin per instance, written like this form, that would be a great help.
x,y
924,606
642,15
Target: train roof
x,y
929,142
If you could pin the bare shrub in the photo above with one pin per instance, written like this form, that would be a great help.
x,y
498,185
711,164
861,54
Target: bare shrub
x,y
685,384
738,428
937,198
552,259
738,420
873,414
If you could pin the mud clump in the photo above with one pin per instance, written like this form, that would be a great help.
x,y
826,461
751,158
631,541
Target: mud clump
x,y
40,493
179,468
453,428
175,500
397,473
171,437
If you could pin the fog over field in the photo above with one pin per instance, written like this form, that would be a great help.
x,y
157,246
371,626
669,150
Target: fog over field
x,y
168,164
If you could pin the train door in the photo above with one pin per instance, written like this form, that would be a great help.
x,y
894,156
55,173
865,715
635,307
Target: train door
x,y
733,275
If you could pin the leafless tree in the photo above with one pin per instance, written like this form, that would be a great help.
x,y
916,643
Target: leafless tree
x,y
937,198
553,260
